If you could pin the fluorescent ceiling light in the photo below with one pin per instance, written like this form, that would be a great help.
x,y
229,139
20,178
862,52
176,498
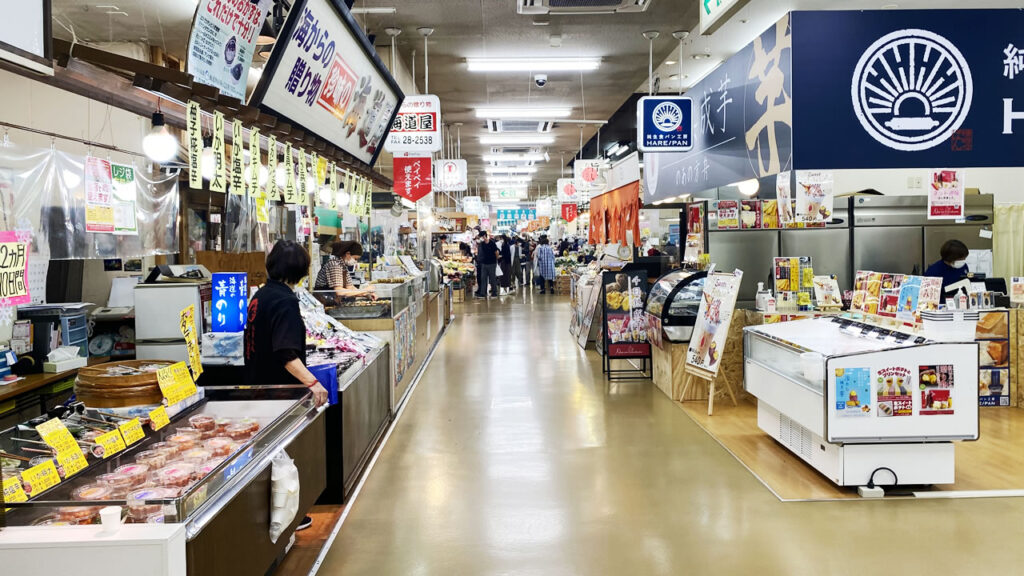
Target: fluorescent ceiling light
x,y
511,169
517,140
508,183
524,112
379,10
513,157
532,64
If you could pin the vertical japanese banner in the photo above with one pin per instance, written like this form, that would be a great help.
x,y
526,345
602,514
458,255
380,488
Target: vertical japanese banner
x,y
289,175
195,145
333,171
367,197
302,188
125,196
230,298
13,269
272,192
237,174
946,194
220,171
353,201
569,212
99,184
255,163
190,332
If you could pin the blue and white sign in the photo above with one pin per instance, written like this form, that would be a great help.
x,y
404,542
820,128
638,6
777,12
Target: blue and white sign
x,y
230,300
664,124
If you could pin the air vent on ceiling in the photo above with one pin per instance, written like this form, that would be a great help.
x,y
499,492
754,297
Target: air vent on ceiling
x,y
581,6
520,126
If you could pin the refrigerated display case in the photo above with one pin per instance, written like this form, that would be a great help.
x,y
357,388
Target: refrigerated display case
x,y
391,300
674,300
853,399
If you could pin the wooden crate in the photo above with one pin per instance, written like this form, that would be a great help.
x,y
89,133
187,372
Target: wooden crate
x,y
563,285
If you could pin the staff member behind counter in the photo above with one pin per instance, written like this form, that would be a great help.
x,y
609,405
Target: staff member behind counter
x,y
275,335
334,274
952,268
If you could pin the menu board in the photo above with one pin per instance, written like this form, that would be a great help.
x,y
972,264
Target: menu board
x,y
625,322
325,76
993,335
713,320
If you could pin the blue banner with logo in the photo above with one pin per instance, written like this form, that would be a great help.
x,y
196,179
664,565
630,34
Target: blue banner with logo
x,y
230,300
742,122
664,124
908,89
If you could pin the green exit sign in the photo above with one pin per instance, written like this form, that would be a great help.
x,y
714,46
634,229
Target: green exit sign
x,y
714,13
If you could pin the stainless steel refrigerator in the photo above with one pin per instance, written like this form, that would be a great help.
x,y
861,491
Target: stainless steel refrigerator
x,y
157,318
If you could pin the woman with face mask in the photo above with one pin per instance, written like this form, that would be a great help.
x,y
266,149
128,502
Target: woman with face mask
x,y
952,267
334,275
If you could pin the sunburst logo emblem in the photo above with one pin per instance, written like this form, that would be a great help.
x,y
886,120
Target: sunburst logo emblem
x,y
667,117
912,89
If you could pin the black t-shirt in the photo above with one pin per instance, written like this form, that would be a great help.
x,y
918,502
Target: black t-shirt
x,y
488,252
274,334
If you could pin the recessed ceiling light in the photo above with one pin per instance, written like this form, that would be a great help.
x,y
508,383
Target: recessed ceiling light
x,y
510,169
670,62
380,10
524,112
701,56
513,157
532,64
890,6
516,140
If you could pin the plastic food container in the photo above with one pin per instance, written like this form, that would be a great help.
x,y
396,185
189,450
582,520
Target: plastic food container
x,y
174,476
206,467
138,473
197,456
156,518
199,434
242,430
92,493
223,423
220,446
50,520
152,458
167,447
79,514
203,422
139,510
119,484
183,441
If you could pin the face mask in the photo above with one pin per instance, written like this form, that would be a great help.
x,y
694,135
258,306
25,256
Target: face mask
x,y
959,264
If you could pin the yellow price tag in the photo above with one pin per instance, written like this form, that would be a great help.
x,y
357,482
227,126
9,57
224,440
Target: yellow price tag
x,y
72,462
158,418
132,432
188,331
56,436
13,492
175,382
112,443
38,479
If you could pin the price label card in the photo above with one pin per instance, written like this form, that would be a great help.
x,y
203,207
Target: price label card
x,y
175,382
56,435
38,479
158,418
112,443
188,331
72,462
13,492
131,430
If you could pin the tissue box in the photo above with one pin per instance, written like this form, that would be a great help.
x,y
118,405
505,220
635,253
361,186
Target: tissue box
x,y
65,365
223,344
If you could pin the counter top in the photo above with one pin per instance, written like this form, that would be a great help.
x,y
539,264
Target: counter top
x,y
35,381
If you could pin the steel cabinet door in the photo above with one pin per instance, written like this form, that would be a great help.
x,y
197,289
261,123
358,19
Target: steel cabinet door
x,y
895,249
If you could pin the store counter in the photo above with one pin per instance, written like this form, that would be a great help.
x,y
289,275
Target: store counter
x,y
36,393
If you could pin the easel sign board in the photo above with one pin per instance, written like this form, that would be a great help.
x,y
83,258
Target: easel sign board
x,y
625,321
588,317
704,355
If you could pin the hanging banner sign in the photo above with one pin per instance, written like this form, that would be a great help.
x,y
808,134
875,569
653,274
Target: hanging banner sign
x,y
325,76
367,197
417,127
194,125
237,173
99,184
569,212
272,193
187,324
302,186
452,175
230,298
290,193
664,124
255,163
223,41
544,207
412,176
472,204
125,195
220,171
946,194
588,177
814,196
13,270
567,191
355,200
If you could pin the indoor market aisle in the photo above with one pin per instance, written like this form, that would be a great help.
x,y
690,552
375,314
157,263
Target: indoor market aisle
x,y
515,456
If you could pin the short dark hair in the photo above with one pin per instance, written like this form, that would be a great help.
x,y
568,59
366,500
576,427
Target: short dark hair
x,y
953,250
342,246
482,234
287,262
544,240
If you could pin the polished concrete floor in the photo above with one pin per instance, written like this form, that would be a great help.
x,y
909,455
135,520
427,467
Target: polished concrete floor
x,y
515,457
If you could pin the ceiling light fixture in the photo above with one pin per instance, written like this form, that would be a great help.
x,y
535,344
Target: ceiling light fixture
x,y
378,10
537,140
701,56
532,64
749,187
510,169
160,145
525,112
513,157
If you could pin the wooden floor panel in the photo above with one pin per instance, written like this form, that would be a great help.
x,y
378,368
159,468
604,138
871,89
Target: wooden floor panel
x,y
308,543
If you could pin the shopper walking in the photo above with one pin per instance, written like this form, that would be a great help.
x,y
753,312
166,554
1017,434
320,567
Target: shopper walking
x,y
487,254
505,263
527,261
517,265
545,259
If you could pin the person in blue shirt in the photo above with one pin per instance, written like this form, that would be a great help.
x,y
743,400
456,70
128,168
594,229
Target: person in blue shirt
x,y
953,266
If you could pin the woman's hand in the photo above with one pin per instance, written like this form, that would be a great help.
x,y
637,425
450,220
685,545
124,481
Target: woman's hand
x,y
319,393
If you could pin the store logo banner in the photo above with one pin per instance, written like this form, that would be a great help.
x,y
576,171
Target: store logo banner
x,y
664,124
452,175
417,128
412,177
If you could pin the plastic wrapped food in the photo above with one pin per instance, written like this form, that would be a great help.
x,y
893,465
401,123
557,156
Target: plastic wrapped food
x,y
79,514
200,434
174,476
138,473
119,484
51,520
242,430
197,456
203,422
152,458
220,446
223,423
206,467
140,510
183,441
156,518
170,449
92,493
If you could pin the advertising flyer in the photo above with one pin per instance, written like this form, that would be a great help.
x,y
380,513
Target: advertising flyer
x,y
99,191
14,288
625,327
783,198
1017,290
713,320
936,383
124,199
769,214
826,292
814,196
930,294
946,194
728,215
895,388
909,298
993,387
223,41
750,214
853,392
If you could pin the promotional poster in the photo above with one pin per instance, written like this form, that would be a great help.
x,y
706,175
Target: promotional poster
x,y
713,320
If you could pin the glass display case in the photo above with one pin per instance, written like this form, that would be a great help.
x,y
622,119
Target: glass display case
x,y
183,473
391,300
675,299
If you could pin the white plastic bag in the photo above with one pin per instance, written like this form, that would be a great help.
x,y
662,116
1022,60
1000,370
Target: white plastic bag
x,y
498,272
284,494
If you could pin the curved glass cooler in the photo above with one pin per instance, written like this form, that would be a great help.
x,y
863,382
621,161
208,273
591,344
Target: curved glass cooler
x,y
391,300
675,299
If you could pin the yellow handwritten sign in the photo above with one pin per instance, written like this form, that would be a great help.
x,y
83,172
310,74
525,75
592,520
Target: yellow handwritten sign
x,y
158,418
131,431
219,183
13,492
56,436
72,462
13,269
175,382
188,331
38,479
112,443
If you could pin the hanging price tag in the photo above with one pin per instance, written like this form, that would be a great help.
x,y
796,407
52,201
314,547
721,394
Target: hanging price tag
x,y
72,462
112,443
176,383
13,492
158,418
56,436
131,431
40,478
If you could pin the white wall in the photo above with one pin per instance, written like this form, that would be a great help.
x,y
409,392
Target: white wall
x,y
1006,184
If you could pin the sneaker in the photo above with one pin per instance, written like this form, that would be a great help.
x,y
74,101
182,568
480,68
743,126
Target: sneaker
x,y
305,523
